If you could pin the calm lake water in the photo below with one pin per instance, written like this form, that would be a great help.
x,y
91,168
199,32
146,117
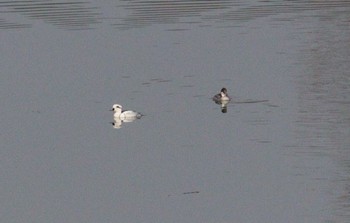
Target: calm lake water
x,y
279,153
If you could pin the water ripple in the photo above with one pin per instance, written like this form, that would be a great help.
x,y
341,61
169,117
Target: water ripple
x,y
67,15
144,13
4,24
127,14
266,10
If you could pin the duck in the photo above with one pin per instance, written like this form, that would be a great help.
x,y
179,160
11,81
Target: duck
x,y
125,115
222,97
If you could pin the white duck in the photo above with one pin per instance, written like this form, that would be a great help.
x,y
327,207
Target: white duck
x,y
125,115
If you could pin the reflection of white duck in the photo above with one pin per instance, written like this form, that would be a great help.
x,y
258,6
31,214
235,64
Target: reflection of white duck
x,y
222,97
126,116
117,124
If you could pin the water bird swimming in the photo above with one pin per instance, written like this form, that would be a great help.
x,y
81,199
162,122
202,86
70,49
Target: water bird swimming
x,y
125,115
222,97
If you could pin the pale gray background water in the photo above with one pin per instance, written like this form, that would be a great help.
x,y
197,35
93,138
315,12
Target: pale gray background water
x,y
64,63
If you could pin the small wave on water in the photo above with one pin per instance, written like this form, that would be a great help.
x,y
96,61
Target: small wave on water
x,y
67,15
82,15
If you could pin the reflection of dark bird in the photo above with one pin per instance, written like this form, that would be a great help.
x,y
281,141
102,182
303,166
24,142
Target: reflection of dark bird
x,y
222,97
224,107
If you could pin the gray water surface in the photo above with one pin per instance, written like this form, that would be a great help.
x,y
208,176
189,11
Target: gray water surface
x,y
279,153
